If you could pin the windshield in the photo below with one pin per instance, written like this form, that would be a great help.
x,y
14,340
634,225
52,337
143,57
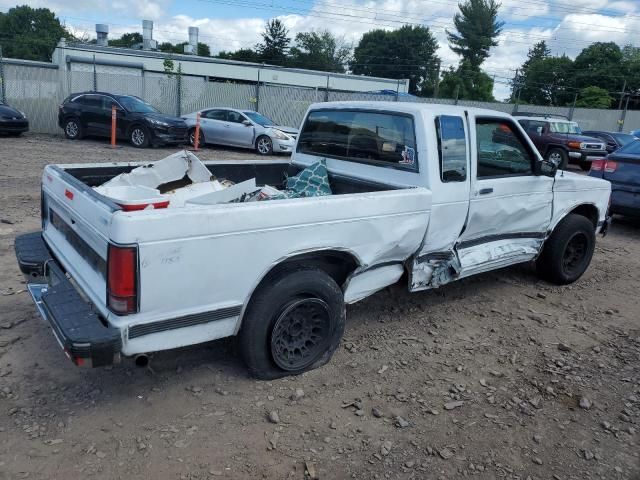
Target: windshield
x,y
564,127
259,119
631,148
135,105
624,138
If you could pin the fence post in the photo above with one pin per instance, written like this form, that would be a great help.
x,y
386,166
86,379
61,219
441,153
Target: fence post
x,y
573,106
179,95
95,75
623,115
3,90
398,91
326,93
258,91
436,87
457,93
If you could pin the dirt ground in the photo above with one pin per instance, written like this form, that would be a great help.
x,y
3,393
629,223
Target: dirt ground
x,y
496,376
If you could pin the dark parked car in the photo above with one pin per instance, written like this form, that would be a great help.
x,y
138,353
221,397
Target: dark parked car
x,y
12,121
613,140
561,141
622,169
89,113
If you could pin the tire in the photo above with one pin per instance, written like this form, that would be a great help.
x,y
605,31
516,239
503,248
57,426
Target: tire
x,y
192,136
567,253
559,157
297,301
139,136
264,145
73,129
585,165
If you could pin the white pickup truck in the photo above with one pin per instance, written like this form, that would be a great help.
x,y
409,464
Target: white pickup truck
x,y
437,192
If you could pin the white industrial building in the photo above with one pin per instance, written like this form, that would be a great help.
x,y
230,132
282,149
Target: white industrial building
x,y
136,61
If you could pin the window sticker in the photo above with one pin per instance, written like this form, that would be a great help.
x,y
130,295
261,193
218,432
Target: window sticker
x,y
408,156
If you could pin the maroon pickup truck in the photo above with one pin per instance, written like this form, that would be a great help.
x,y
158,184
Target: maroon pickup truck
x,y
560,140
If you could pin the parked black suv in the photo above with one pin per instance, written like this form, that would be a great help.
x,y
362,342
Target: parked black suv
x,y
89,113
12,121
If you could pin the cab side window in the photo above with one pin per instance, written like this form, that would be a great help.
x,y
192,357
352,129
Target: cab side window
x,y
502,150
216,115
452,148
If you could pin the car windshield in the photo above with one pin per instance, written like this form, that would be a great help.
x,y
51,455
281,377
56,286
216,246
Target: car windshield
x,y
259,119
631,148
624,138
135,105
564,127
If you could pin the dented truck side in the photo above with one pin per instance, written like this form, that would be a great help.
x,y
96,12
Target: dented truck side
x,y
437,192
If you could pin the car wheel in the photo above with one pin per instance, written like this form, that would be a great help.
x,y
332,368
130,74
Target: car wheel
x,y
585,165
567,253
264,145
293,324
73,129
559,157
192,138
139,137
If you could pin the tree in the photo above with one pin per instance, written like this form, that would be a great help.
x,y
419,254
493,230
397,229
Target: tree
x,y
549,82
168,47
476,30
242,55
127,40
594,97
319,51
30,33
599,65
519,85
408,52
466,83
275,43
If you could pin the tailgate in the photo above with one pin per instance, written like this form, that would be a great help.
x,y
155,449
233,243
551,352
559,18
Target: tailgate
x,y
75,224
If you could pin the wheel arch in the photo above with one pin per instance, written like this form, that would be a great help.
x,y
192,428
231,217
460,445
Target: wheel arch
x,y
339,264
588,210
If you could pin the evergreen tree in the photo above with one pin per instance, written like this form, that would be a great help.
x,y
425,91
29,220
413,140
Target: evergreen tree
x,y
275,43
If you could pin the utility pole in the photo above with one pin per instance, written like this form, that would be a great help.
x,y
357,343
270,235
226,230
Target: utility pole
x,y
3,91
624,87
573,106
457,93
258,90
623,116
95,75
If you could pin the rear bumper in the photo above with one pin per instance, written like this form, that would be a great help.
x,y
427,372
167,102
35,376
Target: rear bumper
x,y
83,336
580,156
625,200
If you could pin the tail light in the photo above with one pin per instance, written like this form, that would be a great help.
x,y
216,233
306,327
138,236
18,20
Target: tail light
x,y
122,279
597,165
610,166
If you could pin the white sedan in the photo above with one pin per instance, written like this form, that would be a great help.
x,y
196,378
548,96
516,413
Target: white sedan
x,y
241,128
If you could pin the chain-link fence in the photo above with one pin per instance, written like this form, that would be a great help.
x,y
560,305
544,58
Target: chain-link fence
x,y
37,91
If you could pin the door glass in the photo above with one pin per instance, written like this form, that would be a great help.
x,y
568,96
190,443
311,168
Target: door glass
x,y
235,117
216,115
501,149
94,101
452,148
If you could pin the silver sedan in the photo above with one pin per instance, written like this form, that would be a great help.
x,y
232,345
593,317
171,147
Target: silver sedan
x,y
241,128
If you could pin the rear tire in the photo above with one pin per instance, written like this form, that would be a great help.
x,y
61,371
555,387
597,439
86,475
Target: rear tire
x,y
139,136
192,138
567,253
73,129
559,157
293,324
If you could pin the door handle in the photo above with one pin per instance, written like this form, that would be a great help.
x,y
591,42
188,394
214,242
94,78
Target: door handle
x,y
485,191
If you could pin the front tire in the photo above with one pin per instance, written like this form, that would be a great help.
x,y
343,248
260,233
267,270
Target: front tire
x,y
139,137
585,165
293,324
559,157
73,129
264,145
567,253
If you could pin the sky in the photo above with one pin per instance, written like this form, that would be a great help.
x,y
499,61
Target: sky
x,y
566,25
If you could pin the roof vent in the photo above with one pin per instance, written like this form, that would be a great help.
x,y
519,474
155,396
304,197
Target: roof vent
x,y
191,48
102,32
148,43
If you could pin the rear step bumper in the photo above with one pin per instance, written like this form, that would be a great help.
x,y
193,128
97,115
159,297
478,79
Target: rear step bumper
x,y
78,329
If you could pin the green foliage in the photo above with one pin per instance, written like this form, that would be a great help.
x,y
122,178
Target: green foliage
x,y
466,83
30,33
476,30
126,40
319,51
599,65
408,52
275,43
594,97
203,48
242,55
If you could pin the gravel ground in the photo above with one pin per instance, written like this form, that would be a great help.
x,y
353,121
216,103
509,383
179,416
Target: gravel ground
x,y
496,376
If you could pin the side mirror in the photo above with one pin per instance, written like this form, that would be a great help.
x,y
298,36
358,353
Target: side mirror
x,y
547,168
246,123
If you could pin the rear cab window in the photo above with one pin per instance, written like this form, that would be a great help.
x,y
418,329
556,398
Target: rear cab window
x,y
384,139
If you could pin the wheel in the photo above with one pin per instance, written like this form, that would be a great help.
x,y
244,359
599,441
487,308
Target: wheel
x,y
73,129
568,251
559,157
585,165
192,138
264,145
139,137
294,323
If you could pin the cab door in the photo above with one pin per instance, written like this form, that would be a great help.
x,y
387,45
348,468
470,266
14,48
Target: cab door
x,y
510,206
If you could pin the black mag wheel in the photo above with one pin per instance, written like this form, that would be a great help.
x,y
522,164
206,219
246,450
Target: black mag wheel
x,y
301,334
